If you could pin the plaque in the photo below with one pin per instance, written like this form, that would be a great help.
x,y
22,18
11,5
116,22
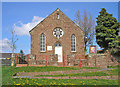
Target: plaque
x,y
49,48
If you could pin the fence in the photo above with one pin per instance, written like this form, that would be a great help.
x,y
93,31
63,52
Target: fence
x,y
52,60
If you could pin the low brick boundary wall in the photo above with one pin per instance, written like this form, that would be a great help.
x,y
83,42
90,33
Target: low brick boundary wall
x,y
102,60
92,60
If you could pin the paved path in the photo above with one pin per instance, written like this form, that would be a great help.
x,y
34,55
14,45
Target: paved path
x,y
32,74
61,72
78,77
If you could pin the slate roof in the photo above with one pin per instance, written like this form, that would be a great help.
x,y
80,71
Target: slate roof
x,y
5,55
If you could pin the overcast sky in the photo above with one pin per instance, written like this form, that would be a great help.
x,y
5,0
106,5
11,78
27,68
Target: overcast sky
x,y
23,16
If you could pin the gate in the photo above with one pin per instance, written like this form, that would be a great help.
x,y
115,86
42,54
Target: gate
x,y
21,60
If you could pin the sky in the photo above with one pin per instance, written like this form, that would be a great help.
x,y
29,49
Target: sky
x,y
23,16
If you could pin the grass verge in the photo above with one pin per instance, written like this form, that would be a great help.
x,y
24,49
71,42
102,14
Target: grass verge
x,y
8,72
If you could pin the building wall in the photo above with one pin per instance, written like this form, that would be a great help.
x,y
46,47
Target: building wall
x,y
48,25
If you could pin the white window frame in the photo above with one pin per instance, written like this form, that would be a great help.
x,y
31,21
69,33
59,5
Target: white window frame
x,y
42,43
73,46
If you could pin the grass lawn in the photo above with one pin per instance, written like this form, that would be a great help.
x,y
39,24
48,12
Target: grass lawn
x,y
8,72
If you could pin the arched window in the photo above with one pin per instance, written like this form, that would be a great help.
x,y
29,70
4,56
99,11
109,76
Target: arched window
x,y
73,43
42,42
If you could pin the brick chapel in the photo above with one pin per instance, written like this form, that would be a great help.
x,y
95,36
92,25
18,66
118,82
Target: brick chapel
x,y
57,34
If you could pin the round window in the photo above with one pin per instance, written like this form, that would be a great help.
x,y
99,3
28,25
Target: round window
x,y
58,32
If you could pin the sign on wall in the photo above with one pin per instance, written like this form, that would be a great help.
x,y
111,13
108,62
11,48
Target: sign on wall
x,y
92,49
49,48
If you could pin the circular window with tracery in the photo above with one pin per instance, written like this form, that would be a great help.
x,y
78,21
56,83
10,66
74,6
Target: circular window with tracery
x,y
58,32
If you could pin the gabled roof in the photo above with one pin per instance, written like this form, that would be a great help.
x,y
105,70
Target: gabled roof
x,y
49,15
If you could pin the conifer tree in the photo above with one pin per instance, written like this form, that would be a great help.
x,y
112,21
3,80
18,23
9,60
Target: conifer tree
x,y
106,30
114,46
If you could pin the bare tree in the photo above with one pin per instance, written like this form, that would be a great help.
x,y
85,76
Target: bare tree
x,y
12,42
87,24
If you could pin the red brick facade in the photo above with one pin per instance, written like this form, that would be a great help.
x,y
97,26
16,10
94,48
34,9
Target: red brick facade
x,y
47,26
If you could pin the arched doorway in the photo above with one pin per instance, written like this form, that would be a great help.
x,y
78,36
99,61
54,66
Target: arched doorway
x,y
58,51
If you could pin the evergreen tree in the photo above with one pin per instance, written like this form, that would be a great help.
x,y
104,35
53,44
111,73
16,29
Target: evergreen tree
x,y
106,30
21,53
114,46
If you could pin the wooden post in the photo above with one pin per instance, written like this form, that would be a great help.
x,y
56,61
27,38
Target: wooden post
x,y
80,61
22,60
63,61
67,60
27,59
95,61
15,59
46,60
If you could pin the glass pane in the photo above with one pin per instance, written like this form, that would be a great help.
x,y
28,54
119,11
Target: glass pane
x,y
43,49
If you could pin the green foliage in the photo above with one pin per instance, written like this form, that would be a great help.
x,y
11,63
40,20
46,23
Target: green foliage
x,y
114,46
21,52
106,30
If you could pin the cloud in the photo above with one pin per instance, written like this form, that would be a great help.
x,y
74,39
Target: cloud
x,y
23,29
4,47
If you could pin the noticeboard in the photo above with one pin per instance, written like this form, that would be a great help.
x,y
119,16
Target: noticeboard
x,y
92,49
